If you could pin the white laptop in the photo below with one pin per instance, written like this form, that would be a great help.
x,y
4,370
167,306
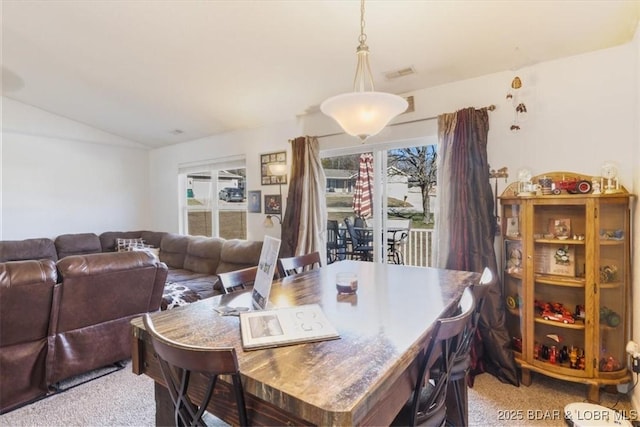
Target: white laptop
x,y
266,269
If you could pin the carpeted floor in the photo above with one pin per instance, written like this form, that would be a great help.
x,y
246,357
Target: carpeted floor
x,y
125,399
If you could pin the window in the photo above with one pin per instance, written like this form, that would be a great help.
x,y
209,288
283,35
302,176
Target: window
x,y
213,200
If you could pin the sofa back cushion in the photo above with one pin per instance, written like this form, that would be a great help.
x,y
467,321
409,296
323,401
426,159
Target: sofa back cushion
x,y
173,250
101,287
28,249
26,292
237,254
203,254
77,244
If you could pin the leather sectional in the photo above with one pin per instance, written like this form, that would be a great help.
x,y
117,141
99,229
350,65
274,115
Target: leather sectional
x,y
66,303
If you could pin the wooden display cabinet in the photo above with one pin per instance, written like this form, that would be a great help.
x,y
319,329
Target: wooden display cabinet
x,y
566,279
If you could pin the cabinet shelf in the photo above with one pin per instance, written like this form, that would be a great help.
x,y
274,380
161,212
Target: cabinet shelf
x,y
610,242
590,272
560,241
576,282
577,326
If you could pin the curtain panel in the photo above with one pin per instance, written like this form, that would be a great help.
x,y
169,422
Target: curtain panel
x,y
305,218
466,229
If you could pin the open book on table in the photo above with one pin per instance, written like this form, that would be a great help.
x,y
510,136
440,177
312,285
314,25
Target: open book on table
x,y
285,326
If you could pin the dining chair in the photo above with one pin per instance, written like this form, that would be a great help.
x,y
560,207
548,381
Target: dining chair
x,y
298,264
457,392
183,364
361,240
427,404
238,279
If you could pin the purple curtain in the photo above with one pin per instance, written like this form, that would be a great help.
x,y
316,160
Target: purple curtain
x,y
466,229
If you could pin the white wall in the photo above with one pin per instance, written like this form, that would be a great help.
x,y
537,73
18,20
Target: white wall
x,y
59,176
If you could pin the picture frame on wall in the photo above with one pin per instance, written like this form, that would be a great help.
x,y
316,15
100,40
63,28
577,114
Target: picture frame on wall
x,y
254,201
268,159
272,204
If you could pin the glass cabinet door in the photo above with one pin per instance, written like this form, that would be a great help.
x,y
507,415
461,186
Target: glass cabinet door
x,y
611,284
560,303
512,267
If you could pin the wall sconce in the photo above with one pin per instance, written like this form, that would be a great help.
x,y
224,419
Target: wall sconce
x,y
278,169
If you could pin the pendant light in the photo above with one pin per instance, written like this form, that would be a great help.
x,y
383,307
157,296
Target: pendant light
x,y
363,112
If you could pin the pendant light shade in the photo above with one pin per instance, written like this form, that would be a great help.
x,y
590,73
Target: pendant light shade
x,y
363,112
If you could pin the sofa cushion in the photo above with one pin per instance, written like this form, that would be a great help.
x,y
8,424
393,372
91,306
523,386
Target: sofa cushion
x,y
203,254
173,250
28,249
77,244
237,254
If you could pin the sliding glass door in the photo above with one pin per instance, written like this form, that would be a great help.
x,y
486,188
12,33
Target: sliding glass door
x,y
395,203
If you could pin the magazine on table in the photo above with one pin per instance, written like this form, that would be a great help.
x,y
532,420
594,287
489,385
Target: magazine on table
x,y
285,326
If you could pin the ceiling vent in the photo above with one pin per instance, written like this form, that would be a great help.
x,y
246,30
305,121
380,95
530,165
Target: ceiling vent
x,y
177,132
399,73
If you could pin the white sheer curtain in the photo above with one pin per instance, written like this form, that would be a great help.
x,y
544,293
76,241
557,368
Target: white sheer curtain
x,y
305,219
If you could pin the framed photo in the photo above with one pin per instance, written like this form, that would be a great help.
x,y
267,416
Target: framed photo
x,y
560,228
254,201
266,160
273,204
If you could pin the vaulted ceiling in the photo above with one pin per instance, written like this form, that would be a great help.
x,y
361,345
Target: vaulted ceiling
x,y
148,70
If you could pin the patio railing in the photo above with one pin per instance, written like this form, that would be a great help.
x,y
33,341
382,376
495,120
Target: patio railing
x,y
418,250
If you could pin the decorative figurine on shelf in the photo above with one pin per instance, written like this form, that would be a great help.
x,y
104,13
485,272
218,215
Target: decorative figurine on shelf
x,y
595,184
573,358
609,317
610,172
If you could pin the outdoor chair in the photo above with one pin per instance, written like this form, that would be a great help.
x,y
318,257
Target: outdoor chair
x,y
238,279
298,264
361,241
335,245
183,364
427,404
397,237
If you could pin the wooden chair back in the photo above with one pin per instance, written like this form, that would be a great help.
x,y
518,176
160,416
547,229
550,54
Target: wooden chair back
x,y
238,279
298,264
181,364
427,404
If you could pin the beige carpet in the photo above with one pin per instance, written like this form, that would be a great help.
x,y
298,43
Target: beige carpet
x,y
124,399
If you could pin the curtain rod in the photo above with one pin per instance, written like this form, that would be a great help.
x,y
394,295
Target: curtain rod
x,y
489,107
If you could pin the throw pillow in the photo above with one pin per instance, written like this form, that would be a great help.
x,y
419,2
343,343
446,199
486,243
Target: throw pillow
x,y
123,245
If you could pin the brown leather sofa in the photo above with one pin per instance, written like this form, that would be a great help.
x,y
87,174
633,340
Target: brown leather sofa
x,y
54,325
194,261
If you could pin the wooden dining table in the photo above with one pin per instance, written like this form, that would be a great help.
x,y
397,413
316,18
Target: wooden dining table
x,y
362,378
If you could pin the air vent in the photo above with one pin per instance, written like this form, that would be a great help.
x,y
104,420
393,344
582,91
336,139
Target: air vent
x,y
399,73
177,132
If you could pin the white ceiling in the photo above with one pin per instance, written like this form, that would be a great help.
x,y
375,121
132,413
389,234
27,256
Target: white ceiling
x,y
142,69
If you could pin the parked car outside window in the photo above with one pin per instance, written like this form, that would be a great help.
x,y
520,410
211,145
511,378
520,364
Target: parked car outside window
x,y
230,194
